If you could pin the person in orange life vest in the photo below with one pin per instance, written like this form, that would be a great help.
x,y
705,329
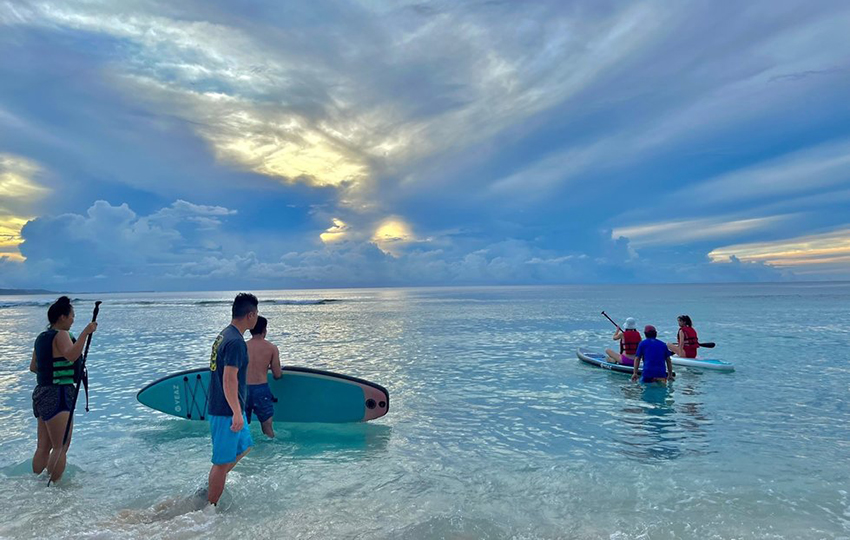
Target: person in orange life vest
x,y
629,339
688,341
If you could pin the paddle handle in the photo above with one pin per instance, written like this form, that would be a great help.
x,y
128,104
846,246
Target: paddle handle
x,y
612,321
88,338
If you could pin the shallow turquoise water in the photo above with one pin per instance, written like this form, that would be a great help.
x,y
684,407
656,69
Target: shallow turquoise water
x,y
495,429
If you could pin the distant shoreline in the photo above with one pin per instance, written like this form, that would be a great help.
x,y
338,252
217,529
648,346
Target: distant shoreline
x,y
21,292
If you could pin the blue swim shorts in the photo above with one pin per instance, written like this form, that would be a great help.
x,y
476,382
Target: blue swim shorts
x,y
227,445
260,402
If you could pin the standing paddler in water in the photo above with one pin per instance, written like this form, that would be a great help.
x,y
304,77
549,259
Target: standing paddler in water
x,y
57,363
231,439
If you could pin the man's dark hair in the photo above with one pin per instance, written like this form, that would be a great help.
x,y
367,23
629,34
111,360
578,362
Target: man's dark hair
x,y
260,327
652,334
243,304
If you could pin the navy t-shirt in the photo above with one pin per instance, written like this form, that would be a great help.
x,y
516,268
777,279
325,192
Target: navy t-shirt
x,y
654,353
229,349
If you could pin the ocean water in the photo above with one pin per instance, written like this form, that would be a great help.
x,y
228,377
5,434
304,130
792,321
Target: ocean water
x,y
495,429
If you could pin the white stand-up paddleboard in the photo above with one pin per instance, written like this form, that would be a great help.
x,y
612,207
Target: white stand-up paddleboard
x,y
703,363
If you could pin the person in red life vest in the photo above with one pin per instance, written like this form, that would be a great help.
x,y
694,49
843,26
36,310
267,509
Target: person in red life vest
x,y
629,339
688,341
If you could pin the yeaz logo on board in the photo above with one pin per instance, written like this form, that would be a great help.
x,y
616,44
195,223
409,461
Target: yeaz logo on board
x,y
176,389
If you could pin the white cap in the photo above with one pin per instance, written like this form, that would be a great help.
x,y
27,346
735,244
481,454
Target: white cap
x,y
630,324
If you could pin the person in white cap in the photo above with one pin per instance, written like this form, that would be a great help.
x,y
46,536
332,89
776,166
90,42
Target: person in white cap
x,y
629,339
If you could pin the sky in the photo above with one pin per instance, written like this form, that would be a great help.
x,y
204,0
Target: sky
x,y
216,145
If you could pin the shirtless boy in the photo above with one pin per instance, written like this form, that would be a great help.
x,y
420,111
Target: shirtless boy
x,y
262,356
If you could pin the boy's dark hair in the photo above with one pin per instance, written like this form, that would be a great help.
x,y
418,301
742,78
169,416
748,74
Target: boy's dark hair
x,y
260,327
62,306
685,319
652,334
243,304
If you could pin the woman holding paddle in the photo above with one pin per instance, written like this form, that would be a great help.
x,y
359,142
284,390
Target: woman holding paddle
x,y
57,360
629,340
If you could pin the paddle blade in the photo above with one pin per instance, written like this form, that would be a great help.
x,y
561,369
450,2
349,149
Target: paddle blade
x,y
709,345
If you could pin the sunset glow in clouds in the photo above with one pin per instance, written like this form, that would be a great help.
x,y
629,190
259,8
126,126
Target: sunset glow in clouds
x,y
153,145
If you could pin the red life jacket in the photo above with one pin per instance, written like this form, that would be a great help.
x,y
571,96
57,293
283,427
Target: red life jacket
x,y
629,342
689,341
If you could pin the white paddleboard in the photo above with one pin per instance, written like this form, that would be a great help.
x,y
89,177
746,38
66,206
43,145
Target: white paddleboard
x,y
703,363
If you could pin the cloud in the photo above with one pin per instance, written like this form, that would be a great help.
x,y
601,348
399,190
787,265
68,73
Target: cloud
x,y
187,246
514,139
203,217
708,91
688,231
278,142
20,193
511,261
392,235
16,179
809,170
251,99
117,244
309,117
10,236
826,253
335,233
734,270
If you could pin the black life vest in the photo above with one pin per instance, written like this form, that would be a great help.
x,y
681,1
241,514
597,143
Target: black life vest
x,y
52,370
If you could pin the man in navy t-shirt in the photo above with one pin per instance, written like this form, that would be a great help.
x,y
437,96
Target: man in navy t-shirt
x,y
231,439
655,356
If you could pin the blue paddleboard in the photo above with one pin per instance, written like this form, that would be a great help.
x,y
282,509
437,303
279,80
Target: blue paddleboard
x,y
601,360
302,395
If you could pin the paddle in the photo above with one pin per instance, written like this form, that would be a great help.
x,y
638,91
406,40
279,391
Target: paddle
x,y
84,378
612,321
709,345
